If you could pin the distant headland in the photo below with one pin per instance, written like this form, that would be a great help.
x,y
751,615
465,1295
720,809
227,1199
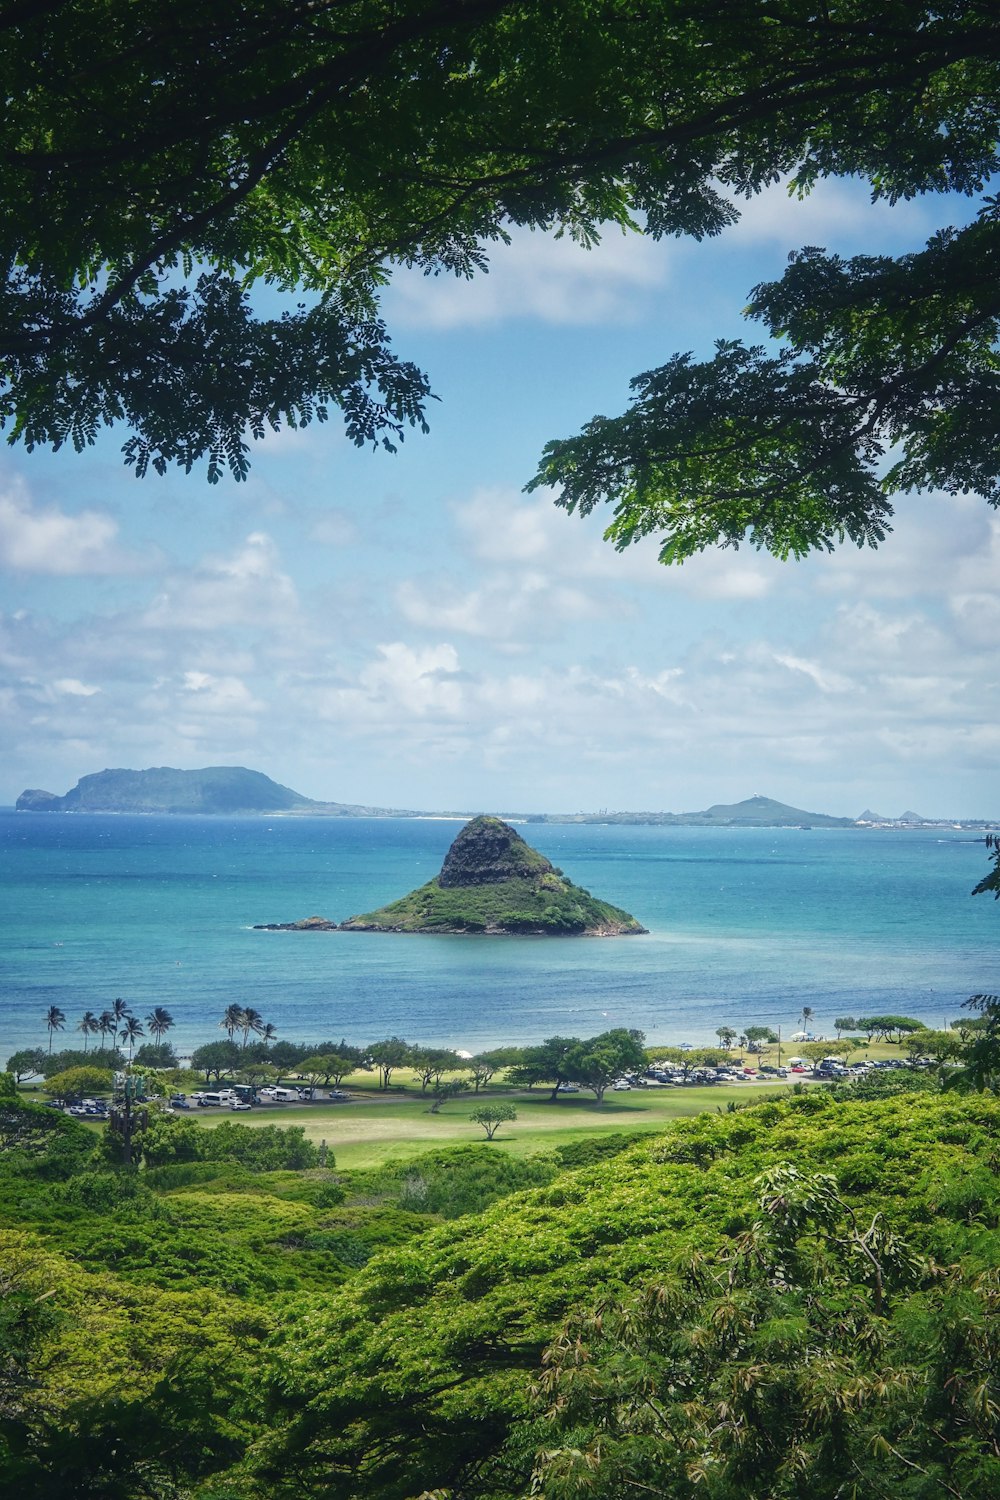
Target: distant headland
x,y
492,883
237,791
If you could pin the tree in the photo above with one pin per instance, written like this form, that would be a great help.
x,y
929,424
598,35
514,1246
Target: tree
x,y
216,1058
131,1030
250,1020
155,1055
159,1022
445,1089
603,1059
430,1063
75,1083
55,1020
132,303
232,1020
816,1051
131,250
547,1063
120,1010
389,1055
727,1036
89,1025
888,1028
26,1062
326,1067
492,1116
844,1023
106,1025
979,1051
759,1038
785,448
991,882
75,1057
686,1382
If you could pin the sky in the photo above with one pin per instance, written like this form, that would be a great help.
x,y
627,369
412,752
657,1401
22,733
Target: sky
x,y
411,630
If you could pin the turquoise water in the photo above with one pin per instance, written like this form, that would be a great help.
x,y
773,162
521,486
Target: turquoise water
x,y
746,927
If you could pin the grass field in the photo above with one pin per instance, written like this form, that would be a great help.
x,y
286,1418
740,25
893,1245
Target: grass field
x,y
372,1127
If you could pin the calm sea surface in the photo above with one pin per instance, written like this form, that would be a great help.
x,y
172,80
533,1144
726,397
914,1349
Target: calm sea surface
x,y
746,926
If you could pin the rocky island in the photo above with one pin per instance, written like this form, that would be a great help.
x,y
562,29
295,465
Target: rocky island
x,y
491,882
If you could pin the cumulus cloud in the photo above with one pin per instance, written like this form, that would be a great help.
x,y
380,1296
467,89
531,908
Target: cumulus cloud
x,y
248,588
45,539
508,607
837,213
541,277
504,527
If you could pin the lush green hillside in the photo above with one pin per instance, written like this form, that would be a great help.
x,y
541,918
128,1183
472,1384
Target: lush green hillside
x,y
750,1306
418,1374
492,881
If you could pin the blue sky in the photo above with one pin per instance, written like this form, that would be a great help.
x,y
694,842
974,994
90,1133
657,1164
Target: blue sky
x,y
411,630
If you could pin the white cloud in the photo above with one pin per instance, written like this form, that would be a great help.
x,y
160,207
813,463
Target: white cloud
x,y
837,213
45,539
540,277
73,688
247,589
501,526
509,606
219,695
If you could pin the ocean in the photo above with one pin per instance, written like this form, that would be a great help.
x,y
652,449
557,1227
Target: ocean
x,y
746,926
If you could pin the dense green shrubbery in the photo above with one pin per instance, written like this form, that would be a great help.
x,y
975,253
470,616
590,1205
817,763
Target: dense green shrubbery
x,y
463,1180
417,1375
272,1332
265,1148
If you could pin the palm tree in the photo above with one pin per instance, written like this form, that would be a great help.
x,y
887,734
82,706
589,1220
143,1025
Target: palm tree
x,y
232,1020
55,1020
89,1025
120,1010
159,1022
268,1033
131,1031
106,1025
807,1012
252,1020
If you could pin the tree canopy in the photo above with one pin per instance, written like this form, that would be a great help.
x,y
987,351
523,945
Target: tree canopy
x,y
159,164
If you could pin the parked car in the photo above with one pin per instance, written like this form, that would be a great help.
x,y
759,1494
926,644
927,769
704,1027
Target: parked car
x,y
240,1104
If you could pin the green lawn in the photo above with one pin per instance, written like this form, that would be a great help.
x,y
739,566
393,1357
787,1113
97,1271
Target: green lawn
x,y
372,1127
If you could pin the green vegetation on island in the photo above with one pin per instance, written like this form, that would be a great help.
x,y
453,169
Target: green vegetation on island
x,y
493,882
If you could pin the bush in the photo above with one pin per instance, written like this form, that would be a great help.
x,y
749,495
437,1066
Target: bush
x,y
74,1083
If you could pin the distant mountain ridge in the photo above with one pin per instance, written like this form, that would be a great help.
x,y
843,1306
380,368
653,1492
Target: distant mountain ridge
x,y
221,790
217,790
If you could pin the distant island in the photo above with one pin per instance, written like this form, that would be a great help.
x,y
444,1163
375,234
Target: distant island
x,y
234,791
493,883
214,790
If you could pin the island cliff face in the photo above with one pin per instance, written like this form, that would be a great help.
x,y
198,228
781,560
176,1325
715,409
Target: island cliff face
x,y
493,882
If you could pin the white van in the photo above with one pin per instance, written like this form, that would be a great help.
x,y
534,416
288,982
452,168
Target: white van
x,y
209,1101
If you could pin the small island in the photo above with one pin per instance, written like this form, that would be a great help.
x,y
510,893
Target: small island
x,y
493,883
